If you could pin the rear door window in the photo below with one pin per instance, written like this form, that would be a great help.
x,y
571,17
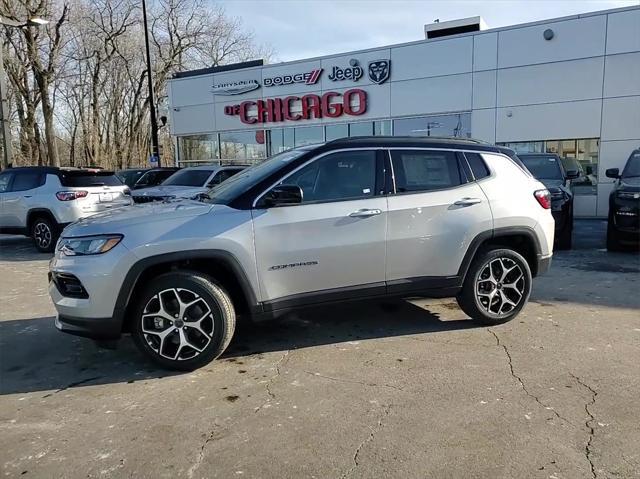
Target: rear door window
x,y
425,170
86,179
27,180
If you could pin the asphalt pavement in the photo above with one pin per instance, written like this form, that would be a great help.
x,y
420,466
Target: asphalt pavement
x,y
394,389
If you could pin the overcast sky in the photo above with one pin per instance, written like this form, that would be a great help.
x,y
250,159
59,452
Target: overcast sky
x,y
298,29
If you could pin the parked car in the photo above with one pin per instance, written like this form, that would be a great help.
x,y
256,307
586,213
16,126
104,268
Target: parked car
x,y
186,183
549,169
154,177
130,176
40,201
354,218
623,227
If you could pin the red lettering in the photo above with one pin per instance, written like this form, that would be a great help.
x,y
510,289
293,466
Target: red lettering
x,y
331,110
362,102
244,112
286,108
311,106
277,109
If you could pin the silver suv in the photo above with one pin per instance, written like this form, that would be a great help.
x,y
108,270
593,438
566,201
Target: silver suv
x,y
350,219
40,201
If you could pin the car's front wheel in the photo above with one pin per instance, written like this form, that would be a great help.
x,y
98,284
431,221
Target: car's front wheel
x,y
183,320
497,286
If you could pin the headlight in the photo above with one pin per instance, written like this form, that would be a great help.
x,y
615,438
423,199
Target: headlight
x,y
88,245
629,195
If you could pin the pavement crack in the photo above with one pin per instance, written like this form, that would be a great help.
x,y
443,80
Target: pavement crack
x,y
270,381
353,381
523,386
198,462
72,385
372,433
588,448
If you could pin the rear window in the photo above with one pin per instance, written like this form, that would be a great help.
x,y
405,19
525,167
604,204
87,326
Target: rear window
x,y
89,178
543,167
189,178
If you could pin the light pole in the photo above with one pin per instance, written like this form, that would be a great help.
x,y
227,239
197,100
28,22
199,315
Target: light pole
x,y
7,157
155,149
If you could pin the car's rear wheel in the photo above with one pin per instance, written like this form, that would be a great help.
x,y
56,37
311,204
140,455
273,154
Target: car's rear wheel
x,y
44,233
497,286
183,320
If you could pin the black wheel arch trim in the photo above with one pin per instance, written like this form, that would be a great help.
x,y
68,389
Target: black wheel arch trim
x,y
135,272
36,212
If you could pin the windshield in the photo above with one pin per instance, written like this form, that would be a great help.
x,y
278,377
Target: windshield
x,y
632,169
188,178
543,167
241,182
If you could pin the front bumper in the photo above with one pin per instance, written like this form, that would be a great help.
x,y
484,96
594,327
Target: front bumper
x,y
94,328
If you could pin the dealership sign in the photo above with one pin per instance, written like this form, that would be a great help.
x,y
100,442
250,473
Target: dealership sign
x,y
352,72
294,108
235,87
308,78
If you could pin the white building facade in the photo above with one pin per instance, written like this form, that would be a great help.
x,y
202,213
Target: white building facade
x,y
569,86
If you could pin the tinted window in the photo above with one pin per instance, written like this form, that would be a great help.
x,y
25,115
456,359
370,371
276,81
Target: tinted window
x,y
153,178
416,170
632,168
5,179
543,167
129,177
339,176
26,180
87,178
234,187
478,166
222,176
189,178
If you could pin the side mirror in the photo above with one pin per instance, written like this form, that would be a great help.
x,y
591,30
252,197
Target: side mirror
x,y
612,173
283,195
573,174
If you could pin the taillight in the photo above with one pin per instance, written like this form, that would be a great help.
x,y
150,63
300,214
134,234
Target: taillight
x,y
71,195
544,198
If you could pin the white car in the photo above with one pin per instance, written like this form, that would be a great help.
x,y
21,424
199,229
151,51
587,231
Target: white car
x,y
355,218
186,183
40,201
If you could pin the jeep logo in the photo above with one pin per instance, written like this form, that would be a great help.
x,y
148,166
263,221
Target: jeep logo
x,y
353,72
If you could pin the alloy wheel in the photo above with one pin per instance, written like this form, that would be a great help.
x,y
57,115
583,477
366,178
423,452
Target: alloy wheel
x,y
42,235
500,286
177,324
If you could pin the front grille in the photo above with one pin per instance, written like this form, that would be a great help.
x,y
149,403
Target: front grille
x,y
68,285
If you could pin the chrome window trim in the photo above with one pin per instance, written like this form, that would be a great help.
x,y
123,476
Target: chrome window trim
x,y
315,158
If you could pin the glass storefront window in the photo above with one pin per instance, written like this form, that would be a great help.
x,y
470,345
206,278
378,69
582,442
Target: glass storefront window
x,y
581,155
243,145
457,125
276,141
382,128
363,128
288,138
199,149
309,135
333,132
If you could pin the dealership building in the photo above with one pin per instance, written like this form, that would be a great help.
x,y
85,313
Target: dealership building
x,y
567,85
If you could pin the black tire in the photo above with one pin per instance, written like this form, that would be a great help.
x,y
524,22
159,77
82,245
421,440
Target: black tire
x,y
565,239
472,304
44,233
613,243
213,334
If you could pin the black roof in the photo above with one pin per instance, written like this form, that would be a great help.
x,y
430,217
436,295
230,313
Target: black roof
x,y
417,141
54,170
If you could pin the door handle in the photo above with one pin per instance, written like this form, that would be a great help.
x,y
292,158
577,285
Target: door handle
x,y
468,202
364,213
27,196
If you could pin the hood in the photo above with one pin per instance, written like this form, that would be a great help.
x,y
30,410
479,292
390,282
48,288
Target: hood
x,y
115,221
630,184
170,191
